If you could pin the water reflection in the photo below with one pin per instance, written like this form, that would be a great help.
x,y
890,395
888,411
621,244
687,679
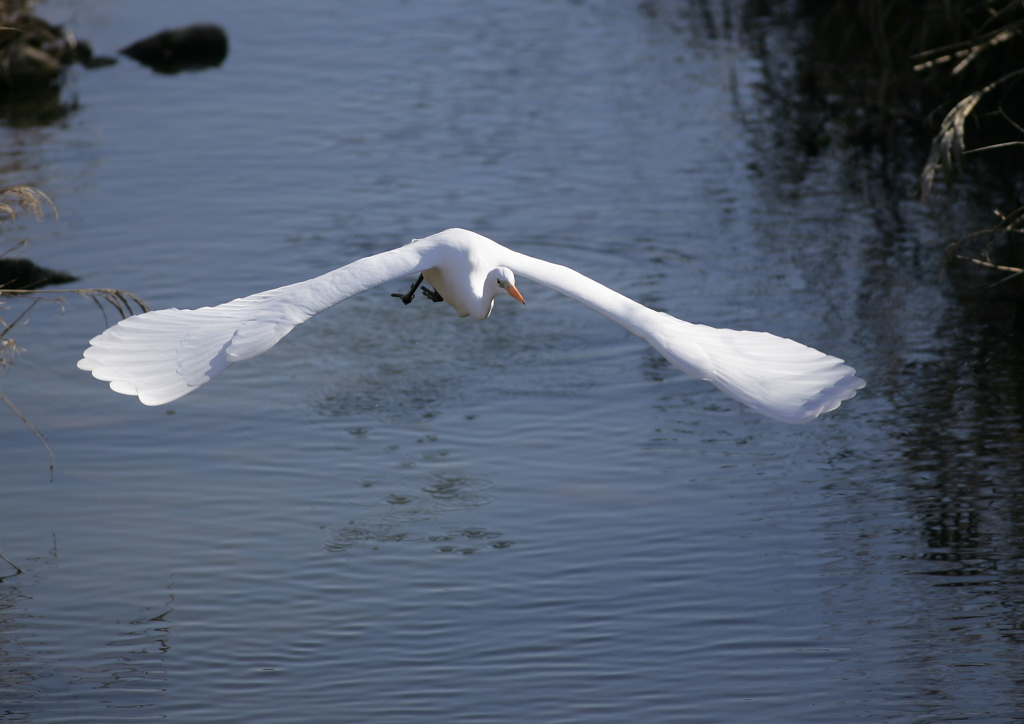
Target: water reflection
x,y
43,107
414,509
964,442
17,671
131,666
388,542
947,508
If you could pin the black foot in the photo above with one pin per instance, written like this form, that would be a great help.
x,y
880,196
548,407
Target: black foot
x,y
407,297
432,295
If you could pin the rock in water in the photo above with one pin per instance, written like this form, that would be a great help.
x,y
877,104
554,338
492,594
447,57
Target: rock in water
x,y
24,274
27,68
190,48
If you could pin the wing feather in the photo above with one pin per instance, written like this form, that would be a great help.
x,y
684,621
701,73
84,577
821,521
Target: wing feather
x,y
163,355
780,378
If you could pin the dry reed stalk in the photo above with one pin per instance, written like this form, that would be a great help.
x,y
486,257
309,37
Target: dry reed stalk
x,y
948,146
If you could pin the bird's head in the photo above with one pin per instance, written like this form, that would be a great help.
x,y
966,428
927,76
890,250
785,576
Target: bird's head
x,y
503,281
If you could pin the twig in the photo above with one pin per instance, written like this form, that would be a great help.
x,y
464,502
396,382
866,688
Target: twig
x,y
1006,279
1006,225
990,265
121,301
998,267
13,324
996,145
42,438
968,54
23,242
1006,117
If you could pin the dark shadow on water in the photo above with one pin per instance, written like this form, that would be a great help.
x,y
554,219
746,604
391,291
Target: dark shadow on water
x,y
964,440
40,108
946,352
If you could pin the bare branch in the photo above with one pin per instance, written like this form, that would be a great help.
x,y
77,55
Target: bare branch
x,y
995,145
23,242
21,316
990,265
967,52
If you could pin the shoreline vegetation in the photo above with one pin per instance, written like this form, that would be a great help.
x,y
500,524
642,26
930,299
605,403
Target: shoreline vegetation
x,y
942,77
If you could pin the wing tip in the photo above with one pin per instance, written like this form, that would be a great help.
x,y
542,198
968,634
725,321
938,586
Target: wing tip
x,y
827,400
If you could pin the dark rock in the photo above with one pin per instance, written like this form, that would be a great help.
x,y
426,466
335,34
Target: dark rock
x,y
24,274
32,54
26,67
190,48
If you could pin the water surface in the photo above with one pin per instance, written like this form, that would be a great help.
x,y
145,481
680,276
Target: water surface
x,y
400,516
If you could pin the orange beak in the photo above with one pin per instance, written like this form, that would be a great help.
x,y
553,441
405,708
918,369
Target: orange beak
x,y
514,293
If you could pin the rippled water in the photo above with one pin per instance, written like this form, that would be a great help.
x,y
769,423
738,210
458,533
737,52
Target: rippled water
x,y
400,516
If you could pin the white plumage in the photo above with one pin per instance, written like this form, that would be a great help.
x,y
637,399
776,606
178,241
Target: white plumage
x,y
163,355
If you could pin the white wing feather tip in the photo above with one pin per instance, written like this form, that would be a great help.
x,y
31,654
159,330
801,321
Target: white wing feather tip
x,y
777,377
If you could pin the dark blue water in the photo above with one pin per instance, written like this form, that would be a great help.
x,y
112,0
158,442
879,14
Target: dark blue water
x,y
401,516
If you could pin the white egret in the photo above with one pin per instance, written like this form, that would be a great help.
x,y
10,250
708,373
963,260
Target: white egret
x,y
160,356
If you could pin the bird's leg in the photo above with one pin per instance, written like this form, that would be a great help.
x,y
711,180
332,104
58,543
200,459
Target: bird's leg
x,y
432,295
407,297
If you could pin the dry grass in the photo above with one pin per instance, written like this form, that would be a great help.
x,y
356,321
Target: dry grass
x,y
27,199
949,145
993,55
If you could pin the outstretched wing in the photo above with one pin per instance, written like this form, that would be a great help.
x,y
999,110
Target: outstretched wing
x,y
779,378
163,355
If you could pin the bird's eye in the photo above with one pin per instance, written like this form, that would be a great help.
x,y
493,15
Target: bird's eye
x,y
501,283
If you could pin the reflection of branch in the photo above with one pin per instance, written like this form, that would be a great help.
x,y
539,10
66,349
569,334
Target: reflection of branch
x,y
120,300
19,571
28,423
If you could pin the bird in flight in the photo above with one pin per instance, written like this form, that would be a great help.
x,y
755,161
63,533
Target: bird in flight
x,y
161,356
